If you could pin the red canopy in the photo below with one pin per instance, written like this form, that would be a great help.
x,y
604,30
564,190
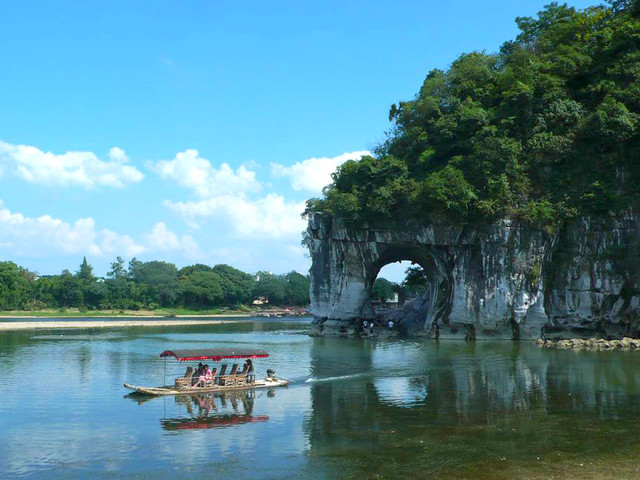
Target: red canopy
x,y
215,354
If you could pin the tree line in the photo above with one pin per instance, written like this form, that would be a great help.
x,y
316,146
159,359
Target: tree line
x,y
147,285
545,129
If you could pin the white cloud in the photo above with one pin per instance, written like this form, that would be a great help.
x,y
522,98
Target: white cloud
x,y
190,170
82,169
313,174
268,217
36,236
46,235
162,239
226,198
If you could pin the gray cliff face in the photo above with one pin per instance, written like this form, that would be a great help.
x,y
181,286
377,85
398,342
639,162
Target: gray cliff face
x,y
503,280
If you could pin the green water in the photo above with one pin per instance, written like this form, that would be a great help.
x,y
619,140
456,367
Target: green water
x,y
355,409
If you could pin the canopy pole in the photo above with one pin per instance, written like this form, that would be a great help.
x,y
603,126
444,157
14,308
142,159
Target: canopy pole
x,y
165,371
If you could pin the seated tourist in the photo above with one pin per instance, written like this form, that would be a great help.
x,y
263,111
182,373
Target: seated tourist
x,y
196,374
201,380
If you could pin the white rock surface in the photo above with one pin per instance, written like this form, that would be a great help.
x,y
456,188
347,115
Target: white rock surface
x,y
502,280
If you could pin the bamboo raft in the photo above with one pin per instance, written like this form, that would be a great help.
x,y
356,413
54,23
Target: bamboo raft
x,y
234,381
170,390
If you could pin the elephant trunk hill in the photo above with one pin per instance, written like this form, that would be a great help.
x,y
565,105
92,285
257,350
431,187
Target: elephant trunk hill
x,y
504,280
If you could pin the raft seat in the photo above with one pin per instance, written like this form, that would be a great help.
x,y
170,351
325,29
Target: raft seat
x,y
184,382
229,380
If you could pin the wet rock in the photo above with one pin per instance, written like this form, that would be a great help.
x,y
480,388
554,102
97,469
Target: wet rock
x,y
592,344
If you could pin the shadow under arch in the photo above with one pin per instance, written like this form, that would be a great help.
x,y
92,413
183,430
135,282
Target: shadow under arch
x,y
430,309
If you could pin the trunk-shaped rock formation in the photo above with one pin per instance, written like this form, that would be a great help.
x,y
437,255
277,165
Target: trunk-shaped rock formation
x,y
502,280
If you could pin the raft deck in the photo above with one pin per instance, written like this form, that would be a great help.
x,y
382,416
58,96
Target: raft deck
x,y
169,390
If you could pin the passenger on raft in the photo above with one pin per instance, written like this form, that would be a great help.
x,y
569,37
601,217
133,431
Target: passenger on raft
x,y
205,376
195,378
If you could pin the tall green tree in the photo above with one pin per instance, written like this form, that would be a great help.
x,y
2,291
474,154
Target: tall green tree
x,y
85,273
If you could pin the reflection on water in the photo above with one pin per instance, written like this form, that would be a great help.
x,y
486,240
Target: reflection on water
x,y
355,409
214,410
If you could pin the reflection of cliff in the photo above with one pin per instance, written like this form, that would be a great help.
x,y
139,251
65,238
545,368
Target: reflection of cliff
x,y
501,280
448,388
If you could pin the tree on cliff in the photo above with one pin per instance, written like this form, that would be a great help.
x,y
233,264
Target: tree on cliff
x,y
545,129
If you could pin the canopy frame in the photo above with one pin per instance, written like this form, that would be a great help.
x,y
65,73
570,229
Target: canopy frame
x,y
214,354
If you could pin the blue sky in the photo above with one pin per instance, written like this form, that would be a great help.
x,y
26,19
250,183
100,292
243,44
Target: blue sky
x,y
194,131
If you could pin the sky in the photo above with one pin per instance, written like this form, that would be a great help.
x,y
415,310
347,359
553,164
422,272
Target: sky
x,y
194,131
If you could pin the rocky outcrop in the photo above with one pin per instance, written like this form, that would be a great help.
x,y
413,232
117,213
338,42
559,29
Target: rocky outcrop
x,y
503,280
592,344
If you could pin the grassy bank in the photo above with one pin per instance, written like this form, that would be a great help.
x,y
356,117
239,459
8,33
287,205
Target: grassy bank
x,y
160,312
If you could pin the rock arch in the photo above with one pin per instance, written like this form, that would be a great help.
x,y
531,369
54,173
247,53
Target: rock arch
x,y
481,283
499,280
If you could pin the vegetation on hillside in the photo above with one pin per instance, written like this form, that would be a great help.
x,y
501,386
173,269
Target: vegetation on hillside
x,y
545,129
147,285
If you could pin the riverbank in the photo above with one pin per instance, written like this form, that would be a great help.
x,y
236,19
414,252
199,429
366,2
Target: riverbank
x,y
156,313
53,325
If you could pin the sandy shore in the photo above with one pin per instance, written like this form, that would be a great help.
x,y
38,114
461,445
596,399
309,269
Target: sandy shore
x,y
217,315
50,325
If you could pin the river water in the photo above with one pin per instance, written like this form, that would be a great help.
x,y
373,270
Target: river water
x,y
355,409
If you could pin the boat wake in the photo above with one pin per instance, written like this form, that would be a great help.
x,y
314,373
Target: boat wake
x,y
335,379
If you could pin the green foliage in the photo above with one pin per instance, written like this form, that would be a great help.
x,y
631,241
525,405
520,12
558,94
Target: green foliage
x,y
85,274
415,280
237,286
297,290
147,285
383,289
545,128
289,289
16,286
201,289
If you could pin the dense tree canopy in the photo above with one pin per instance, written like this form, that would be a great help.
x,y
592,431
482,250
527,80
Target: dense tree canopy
x,y
383,289
542,130
148,285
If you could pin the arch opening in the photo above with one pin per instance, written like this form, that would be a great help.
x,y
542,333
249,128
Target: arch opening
x,y
398,283
421,285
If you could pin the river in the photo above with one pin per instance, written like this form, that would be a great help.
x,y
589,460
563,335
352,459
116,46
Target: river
x,y
355,408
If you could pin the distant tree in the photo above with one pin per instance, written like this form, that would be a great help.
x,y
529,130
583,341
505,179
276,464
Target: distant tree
x,y
16,286
415,278
95,295
85,273
382,290
117,269
158,279
270,286
297,289
198,267
236,284
201,289
66,290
